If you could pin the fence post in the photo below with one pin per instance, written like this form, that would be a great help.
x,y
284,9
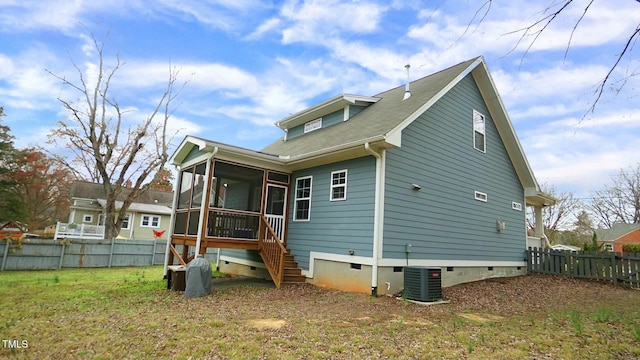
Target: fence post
x,y
111,251
61,255
153,252
4,256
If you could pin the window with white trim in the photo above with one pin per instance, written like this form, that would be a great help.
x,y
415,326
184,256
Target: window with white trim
x,y
302,203
150,221
338,190
125,223
312,125
608,247
480,196
87,218
479,137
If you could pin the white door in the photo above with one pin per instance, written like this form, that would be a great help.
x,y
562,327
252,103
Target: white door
x,y
276,208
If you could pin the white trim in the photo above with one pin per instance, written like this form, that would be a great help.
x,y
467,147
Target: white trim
x,y
347,259
450,263
516,205
150,220
398,129
480,128
128,221
295,198
245,262
332,185
195,161
480,196
345,115
312,125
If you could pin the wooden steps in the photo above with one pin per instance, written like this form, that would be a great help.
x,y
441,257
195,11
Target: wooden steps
x,y
292,273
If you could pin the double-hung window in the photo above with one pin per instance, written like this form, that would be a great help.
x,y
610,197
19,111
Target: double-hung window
x,y
150,221
338,189
125,222
302,204
479,135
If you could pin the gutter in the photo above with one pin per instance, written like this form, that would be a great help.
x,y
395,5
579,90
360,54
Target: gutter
x,y
378,215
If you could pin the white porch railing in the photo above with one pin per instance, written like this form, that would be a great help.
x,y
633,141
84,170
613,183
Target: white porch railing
x,y
277,224
82,231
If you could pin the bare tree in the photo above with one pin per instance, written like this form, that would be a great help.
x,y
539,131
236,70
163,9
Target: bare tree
x,y
103,147
558,217
620,201
556,11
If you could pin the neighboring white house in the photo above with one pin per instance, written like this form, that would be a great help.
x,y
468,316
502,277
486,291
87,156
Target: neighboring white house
x,y
147,218
564,247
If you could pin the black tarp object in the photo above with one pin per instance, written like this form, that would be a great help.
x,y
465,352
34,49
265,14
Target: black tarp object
x,y
198,278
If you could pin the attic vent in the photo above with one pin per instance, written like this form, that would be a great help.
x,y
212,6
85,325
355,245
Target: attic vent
x,y
313,125
407,92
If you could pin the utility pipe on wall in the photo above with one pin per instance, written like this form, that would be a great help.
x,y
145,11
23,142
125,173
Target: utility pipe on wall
x,y
378,214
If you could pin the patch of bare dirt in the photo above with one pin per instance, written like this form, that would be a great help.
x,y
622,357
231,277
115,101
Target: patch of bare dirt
x,y
522,294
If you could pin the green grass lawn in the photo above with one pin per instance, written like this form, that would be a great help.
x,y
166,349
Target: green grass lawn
x,y
122,313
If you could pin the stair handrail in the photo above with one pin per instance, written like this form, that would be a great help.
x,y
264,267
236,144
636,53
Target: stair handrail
x,y
272,251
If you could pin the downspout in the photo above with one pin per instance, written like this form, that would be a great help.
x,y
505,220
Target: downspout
x,y
203,204
378,214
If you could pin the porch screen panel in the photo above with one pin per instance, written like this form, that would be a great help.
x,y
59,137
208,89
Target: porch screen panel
x,y
236,187
198,192
186,181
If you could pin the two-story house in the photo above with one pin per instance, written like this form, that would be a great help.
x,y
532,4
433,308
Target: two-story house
x,y
359,187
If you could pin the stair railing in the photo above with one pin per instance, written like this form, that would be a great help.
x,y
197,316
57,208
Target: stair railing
x,y
272,251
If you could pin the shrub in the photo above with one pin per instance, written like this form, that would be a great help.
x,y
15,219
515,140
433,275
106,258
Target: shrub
x,y
632,248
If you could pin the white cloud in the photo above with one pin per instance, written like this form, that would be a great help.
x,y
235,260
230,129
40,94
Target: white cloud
x,y
264,28
314,22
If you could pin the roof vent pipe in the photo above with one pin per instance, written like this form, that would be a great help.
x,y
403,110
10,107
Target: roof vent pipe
x,y
407,92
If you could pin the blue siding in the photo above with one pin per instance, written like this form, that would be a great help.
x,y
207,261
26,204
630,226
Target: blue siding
x,y
335,117
443,221
194,153
335,226
354,109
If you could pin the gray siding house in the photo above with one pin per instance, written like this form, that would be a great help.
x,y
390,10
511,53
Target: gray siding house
x,y
359,187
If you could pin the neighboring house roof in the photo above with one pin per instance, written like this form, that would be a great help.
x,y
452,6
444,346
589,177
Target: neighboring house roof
x,y
378,126
141,208
14,225
617,231
87,190
151,201
565,247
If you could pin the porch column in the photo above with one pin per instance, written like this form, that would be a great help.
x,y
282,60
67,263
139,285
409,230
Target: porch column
x,y
205,199
539,229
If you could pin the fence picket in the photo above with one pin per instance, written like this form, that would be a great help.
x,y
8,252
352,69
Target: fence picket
x,y
45,254
618,268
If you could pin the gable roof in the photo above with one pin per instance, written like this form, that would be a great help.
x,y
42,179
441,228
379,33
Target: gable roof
x,y
151,201
379,126
88,190
376,122
617,231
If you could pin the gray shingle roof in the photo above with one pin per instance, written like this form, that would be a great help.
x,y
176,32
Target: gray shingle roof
x,y
617,231
87,190
374,121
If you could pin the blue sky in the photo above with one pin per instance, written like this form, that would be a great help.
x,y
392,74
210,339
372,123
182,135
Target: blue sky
x,y
250,63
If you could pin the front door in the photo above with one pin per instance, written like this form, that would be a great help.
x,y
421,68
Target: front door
x,y
276,208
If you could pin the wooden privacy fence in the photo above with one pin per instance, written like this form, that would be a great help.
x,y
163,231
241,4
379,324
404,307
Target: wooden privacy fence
x,y
43,254
617,268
